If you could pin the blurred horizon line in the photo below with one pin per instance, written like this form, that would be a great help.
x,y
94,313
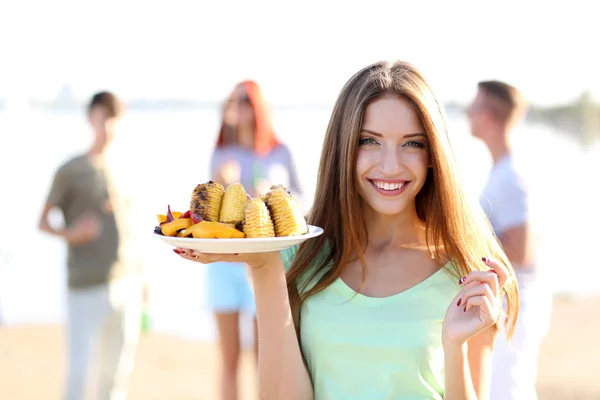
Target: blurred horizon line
x,y
580,116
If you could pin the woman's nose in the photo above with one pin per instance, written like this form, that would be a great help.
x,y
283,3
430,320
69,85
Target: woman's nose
x,y
390,163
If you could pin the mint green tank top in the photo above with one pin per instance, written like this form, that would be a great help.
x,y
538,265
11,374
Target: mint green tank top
x,y
390,348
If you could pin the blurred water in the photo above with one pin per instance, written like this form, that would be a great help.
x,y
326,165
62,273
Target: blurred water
x,y
167,152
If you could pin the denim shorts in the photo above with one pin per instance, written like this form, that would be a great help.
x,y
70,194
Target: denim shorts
x,y
227,288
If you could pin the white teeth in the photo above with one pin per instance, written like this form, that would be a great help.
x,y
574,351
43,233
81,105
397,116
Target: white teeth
x,y
388,186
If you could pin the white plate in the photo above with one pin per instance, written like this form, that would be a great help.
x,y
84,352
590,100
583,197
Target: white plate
x,y
245,245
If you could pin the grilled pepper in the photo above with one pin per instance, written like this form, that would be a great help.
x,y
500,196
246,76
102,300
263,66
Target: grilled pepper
x,y
215,230
171,228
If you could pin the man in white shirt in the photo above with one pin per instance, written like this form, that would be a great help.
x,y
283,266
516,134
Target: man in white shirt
x,y
496,109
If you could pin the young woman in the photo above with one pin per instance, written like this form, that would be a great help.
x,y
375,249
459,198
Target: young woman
x,y
247,151
401,296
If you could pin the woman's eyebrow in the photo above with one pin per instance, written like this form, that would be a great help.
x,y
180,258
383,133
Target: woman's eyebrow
x,y
405,136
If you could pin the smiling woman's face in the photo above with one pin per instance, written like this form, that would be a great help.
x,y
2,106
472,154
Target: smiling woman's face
x,y
393,156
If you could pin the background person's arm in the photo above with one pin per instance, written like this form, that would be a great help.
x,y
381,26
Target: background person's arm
x,y
513,217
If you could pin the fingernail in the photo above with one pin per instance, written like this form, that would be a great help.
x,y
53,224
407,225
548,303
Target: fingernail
x,y
459,301
465,310
485,260
493,271
176,251
462,280
183,253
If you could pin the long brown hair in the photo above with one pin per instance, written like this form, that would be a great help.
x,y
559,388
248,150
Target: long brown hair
x,y
457,230
265,138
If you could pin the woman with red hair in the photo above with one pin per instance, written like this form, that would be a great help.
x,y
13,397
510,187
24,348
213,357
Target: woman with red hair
x,y
247,151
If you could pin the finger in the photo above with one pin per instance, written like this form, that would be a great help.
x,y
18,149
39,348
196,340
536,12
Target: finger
x,y
485,305
463,290
207,258
489,277
185,252
215,256
188,254
479,289
501,270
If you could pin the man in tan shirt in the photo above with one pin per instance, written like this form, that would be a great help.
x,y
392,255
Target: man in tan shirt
x,y
104,291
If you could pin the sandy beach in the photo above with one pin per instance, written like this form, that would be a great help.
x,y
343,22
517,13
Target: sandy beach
x,y
32,365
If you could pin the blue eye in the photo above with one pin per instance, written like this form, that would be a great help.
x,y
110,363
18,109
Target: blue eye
x,y
414,143
367,140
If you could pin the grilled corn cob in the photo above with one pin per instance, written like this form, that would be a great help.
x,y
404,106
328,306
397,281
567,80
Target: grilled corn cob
x,y
257,222
285,212
234,202
206,200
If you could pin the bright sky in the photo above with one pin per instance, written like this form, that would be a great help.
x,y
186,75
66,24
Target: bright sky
x,y
300,52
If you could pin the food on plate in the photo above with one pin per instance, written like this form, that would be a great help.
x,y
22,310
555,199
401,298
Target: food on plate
x,y
163,217
257,221
234,203
188,232
216,230
209,229
218,213
206,201
285,212
171,228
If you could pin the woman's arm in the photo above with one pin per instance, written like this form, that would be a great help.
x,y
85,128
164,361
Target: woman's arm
x,y
458,381
468,367
282,373
281,370
480,361
469,333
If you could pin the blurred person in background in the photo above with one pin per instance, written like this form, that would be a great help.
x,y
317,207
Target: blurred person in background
x,y
506,199
105,291
247,151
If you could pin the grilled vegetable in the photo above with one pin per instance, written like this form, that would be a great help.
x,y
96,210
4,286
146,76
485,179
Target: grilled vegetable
x,y
171,228
285,212
163,217
187,232
206,200
234,202
216,230
257,222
